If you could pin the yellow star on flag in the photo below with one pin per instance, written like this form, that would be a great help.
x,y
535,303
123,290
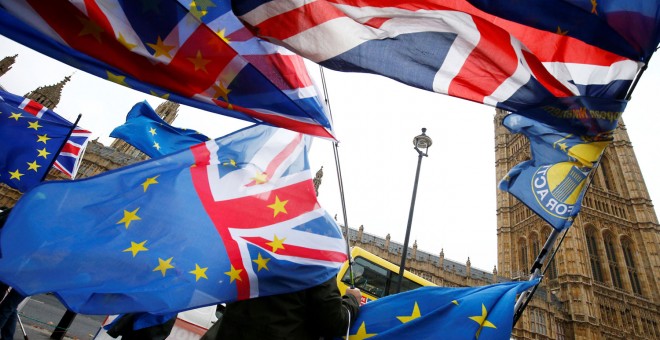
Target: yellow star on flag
x,y
15,116
161,49
156,145
277,243
90,28
221,91
164,96
361,333
136,247
126,44
199,62
152,131
260,177
261,262
43,138
16,175
563,146
33,166
560,32
117,79
43,153
481,320
149,181
199,272
234,274
454,302
221,34
278,206
164,265
129,216
34,125
594,4
415,314
231,162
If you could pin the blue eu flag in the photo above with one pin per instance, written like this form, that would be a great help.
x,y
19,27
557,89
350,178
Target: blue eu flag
x,y
442,313
229,219
149,133
29,143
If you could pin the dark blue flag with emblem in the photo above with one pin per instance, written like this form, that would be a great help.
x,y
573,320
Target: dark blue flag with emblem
x,y
29,143
553,182
148,132
442,313
230,219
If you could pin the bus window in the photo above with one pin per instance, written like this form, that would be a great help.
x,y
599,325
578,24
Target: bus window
x,y
369,277
376,277
406,284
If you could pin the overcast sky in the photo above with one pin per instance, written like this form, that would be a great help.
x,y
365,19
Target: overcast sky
x,y
375,120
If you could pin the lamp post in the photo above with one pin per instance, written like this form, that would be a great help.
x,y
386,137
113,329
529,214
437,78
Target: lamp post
x,y
422,144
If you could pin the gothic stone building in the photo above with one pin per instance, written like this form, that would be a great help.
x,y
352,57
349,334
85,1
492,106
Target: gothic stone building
x,y
602,284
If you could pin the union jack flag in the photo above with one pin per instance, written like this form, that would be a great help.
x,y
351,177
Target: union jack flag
x,y
194,53
70,156
447,47
292,229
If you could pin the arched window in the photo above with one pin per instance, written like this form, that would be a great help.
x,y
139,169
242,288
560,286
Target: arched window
x,y
611,260
522,245
604,170
628,255
592,248
535,245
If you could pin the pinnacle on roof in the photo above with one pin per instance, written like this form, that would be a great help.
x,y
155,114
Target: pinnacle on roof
x,y
48,96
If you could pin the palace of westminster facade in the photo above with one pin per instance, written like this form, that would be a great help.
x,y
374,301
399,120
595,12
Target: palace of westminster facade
x,y
604,282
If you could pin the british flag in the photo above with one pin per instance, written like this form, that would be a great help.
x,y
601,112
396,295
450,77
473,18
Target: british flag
x,y
293,229
448,47
70,156
194,53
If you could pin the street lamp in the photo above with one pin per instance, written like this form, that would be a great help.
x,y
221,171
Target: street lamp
x,y
422,144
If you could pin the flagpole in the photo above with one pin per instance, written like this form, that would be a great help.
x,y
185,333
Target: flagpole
x,y
335,148
75,124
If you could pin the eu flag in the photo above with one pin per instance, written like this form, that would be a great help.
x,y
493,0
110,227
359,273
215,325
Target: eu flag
x,y
29,143
442,313
553,182
149,133
229,219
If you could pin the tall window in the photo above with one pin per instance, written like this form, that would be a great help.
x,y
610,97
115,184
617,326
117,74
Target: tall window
x,y
628,255
523,256
611,259
560,330
604,168
535,245
592,248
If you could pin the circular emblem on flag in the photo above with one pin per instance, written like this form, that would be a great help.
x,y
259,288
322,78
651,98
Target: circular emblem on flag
x,y
557,187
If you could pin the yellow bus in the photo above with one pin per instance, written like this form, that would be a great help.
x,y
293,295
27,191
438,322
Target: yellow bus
x,y
376,277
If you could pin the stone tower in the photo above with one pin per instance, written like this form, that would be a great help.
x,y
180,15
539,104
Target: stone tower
x,y
6,63
167,110
48,96
606,272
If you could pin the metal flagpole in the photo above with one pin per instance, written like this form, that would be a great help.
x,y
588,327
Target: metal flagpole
x,y
341,186
75,124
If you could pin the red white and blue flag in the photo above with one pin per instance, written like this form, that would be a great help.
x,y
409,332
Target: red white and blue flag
x,y
447,47
225,220
69,158
194,53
